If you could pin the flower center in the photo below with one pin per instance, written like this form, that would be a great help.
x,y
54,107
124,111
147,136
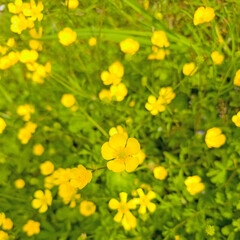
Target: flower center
x,y
122,154
144,200
123,208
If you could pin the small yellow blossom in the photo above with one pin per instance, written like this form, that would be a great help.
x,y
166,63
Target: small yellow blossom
x,y
42,200
159,39
214,138
87,208
67,36
124,215
20,23
16,7
117,130
189,69
2,218
154,105
92,41
19,183
166,95
68,100
119,91
28,56
46,168
35,12
236,119
25,110
25,133
2,125
105,94
129,46
35,45
31,228
38,149
7,224
160,173
3,235
194,185
236,80
71,4
217,57
158,54
145,201
11,42
121,150
80,177
203,15
114,75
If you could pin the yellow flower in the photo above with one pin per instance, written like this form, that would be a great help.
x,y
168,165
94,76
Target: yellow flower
x,y
121,150
92,41
35,12
3,235
145,201
118,91
35,45
15,7
46,168
11,42
154,105
25,110
129,46
114,75
166,95
42,200
105,94
7,224
117,130
214,138
20,23
236,119
34,34
189,69
28,56
19,183
71,4
87,208
194,185
31,228
68,100
236,80
203,15
25,133
160,173
67,36
124,215
217,57
2,125
159,39
2,218
158,54
38,149
80,177
61,176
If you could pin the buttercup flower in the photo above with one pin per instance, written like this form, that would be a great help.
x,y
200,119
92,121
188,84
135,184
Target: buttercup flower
x,y
114,75
236,119
189,69
166,95
203,15
2,125
71,4
159,39
124,215
121,150
2,218
160,173
154,105
117,130
194,185
19,183
17,6
80,177
67,36
236,80
129,46
92,41
38,149
25,133
158,54
35,12
68,100
20,23
25,111
3,235
87,208
7,224
214,138
217,57
46,168
28,56
118,91
105,94
145,201
141,156
42,200
31,228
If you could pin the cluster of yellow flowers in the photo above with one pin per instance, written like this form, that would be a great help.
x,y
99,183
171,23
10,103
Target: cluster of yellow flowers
x,y
194,185
160,42
113,77
9,59
124,215
6,224
25,111
154,105
31,228
25,133
129,46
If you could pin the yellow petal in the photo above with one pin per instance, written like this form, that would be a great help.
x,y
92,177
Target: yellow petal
x,y
151,195
43,208
36,203
131,163
118,141
142,209
151,207
38,194
108,153
123,197
133,146
140,192
116,165
118,217
132,204
113,203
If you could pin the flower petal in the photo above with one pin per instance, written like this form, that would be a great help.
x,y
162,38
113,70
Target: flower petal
x,y
113,203
43,208
36,203
38,194
116,165
108,153
151,195
142,209
123,197
132,204
118,217
131,163
118,141
151,207
140,192
133,146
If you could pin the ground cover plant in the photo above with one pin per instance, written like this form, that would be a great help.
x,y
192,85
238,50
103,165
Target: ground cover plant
x,y
119,119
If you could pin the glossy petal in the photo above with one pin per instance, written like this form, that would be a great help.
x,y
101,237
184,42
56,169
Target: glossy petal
x,y
118,217
118,141
113,203
43,208
140,192
116,165
36,203
38,194
108,153
133,146
123,197
131,163
151,195
142,209
151,207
